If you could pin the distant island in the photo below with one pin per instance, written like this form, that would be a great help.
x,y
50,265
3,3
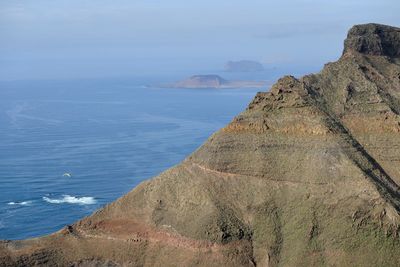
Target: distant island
x,y
306,175
243,66
215,81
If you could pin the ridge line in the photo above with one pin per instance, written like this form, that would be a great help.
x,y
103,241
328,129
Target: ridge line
x,y
385,185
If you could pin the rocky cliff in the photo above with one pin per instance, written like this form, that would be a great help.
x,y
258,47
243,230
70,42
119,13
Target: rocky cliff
x,y
307,175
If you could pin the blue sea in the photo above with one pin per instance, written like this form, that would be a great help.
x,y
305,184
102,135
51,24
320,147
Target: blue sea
x,y
69,147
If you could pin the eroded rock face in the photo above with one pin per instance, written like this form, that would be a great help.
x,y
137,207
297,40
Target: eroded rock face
x,y
374,39
307,175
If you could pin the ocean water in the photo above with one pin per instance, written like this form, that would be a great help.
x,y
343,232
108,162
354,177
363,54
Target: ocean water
x,y
69,147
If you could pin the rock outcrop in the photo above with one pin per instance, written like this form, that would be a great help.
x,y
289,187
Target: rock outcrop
x,y
374,39
307,175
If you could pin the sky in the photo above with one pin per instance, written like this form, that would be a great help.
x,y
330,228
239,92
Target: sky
x,y
73,39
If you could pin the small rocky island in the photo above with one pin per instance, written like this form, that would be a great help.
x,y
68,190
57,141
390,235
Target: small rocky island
x,y
307,175
215,81
243,66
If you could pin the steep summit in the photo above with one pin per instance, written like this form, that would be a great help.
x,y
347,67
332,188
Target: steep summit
x,y
374,39
307,175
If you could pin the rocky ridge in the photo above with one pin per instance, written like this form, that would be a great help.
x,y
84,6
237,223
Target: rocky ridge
x,y
307,175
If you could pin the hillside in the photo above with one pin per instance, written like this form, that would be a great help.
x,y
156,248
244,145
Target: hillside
x,y
307,175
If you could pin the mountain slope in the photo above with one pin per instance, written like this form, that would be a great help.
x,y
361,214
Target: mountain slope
x,y
307,175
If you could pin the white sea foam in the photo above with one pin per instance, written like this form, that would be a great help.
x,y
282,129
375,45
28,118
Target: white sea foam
x,y
71,200
22,203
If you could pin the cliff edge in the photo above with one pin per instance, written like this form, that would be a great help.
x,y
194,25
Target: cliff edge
x,y
307,175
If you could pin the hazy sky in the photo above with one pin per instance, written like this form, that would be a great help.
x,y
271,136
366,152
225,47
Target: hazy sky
x,y
51,39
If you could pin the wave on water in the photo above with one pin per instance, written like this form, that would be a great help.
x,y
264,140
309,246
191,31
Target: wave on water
x,y
71,200
22,203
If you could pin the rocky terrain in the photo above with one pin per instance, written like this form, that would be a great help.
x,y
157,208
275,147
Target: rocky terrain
x,y
214,81
243,66
307,175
